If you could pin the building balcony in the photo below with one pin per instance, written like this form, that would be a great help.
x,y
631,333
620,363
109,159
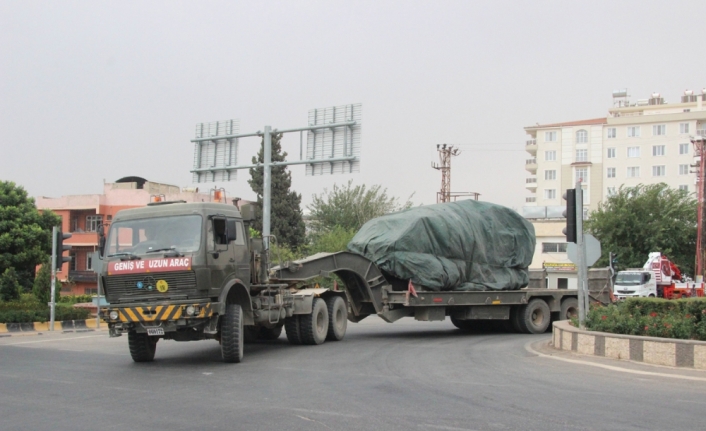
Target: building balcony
x,y
531,165
83,276
531,183
80,238
531,146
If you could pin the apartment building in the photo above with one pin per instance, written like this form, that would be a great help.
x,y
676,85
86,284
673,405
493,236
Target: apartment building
x,y
647,141
82,216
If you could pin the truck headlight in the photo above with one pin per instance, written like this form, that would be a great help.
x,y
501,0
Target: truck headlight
x,y
190,310
113,315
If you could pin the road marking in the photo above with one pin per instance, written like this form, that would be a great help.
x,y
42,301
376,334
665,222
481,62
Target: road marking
x,y
318,412
49,341
441,427
613,368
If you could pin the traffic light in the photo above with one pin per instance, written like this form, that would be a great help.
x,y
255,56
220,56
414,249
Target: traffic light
x,y
570,214
60,248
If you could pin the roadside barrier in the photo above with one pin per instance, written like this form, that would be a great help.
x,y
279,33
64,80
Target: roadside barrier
x,y
650,350
37,328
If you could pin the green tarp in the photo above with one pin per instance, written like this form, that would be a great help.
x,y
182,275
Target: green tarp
x,y
465,245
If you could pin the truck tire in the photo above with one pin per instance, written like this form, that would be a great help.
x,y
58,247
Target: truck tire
x,y
534,318
337,318
314,327
293,329
142,346
464,325
270,333
232,334
569,309
515,318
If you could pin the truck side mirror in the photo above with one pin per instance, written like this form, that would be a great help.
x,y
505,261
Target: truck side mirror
x,y
101,241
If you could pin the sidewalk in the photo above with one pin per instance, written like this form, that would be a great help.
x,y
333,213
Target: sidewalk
x,y
39,328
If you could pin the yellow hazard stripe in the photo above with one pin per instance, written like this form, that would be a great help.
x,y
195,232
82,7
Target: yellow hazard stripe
x,y
160,313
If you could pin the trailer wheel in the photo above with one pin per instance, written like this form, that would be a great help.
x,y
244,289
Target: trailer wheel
x,y
534,317
314,327
569,309
337,318
232,334
464,325
270,333
292,327
142,346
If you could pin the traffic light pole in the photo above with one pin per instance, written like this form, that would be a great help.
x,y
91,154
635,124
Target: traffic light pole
x,y
581,254
52,304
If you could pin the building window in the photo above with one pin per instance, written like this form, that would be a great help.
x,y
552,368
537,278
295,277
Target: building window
x,y
550,156
553,247
683,148
683,169
633,171
581,137
611,191
633,131
93,222
89,261
90,291
581,155
72,263
582,175
611,153
659,171
530,200
658,150
659,129
550,194
550,136
683,128
633,151
550,174
684,187
611,173
611,133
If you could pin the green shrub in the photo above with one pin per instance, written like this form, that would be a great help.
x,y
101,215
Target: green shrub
x,y
75,299
29,309
682,319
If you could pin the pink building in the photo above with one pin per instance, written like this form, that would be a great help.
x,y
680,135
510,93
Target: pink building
x,y
81,215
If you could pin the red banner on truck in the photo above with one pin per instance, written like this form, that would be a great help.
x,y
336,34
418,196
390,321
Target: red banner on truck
x,y
152,265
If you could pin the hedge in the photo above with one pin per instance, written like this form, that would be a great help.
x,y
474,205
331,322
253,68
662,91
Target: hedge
x,y
654,317
12,314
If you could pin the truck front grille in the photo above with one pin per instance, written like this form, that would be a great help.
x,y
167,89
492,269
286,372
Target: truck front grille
x,y
124,288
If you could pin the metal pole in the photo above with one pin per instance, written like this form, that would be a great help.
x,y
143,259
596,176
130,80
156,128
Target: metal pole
x,y
267,185
52,304
581,252
98,305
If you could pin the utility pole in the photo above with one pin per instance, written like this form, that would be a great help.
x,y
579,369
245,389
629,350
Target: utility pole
x,y
700,151
445,154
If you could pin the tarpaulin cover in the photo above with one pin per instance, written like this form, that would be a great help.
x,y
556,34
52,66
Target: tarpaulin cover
x,y
465,245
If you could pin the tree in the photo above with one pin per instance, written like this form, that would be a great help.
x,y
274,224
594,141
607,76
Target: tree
x,y
349,207
638,220
286,221
42,284
25,233
9,285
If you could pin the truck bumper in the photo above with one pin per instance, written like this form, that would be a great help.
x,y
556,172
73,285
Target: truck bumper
x,y
170,317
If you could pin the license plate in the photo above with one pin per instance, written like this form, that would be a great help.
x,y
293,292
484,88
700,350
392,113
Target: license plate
x,y
155,331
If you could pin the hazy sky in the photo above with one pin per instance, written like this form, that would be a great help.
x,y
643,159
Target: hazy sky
x,y
98,90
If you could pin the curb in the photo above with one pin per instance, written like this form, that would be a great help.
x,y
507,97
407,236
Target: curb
x,y
649,350
37,328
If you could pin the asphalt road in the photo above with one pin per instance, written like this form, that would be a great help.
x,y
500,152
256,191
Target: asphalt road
x,y
403,376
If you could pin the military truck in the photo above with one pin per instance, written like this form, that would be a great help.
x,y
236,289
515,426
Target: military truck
x,y
190,271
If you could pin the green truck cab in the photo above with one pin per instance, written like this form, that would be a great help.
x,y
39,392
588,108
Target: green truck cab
x,y
190,271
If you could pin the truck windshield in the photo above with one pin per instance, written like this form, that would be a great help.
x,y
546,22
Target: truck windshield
x,y
140,236
633,279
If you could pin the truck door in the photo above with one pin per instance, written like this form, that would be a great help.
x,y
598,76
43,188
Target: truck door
x,y
220,260
239,251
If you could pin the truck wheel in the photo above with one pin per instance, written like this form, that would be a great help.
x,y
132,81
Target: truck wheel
x,y
569,309
337,318
142,346
464,325
292,327
232,334
534,317
270,333
314,327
